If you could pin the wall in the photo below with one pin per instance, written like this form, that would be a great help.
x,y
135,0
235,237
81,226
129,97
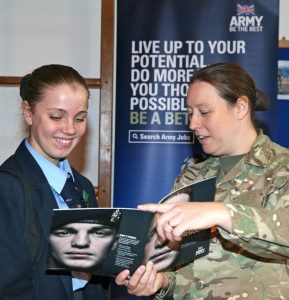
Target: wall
x,y
284,21
36,32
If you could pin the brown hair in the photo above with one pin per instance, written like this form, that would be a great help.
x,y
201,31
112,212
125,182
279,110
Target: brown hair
x,y
32,85
232,82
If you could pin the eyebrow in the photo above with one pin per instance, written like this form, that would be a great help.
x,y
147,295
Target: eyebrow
x,y
94,226
61,110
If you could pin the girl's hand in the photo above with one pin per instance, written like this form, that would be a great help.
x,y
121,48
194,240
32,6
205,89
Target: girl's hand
x,y
144,282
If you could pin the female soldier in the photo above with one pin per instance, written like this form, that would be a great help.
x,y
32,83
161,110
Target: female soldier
x,y
249,251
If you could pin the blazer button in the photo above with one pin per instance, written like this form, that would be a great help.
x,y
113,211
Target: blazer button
x,y
199,284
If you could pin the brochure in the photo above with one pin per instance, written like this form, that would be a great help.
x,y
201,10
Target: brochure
x,y
105,241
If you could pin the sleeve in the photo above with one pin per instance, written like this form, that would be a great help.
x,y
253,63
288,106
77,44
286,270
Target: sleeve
x,y
263,230
16,281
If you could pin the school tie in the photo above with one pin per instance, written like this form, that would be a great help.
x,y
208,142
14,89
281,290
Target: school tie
x,y
71,194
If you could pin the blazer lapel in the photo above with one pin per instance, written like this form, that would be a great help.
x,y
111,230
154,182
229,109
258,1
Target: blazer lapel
x,y
43,198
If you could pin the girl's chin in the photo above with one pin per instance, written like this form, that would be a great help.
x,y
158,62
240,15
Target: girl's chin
x,y
61,155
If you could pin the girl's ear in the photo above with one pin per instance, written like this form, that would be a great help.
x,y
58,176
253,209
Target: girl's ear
x,y
27,112
242,107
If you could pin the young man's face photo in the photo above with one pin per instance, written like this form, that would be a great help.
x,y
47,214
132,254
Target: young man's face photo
x,y
163,254
82,246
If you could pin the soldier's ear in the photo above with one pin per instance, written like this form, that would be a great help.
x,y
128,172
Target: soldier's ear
x,y
242,107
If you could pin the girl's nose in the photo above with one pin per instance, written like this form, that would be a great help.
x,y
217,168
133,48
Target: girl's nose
x,y
69,127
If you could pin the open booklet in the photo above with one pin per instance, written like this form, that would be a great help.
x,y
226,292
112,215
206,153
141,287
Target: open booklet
x,y
105,241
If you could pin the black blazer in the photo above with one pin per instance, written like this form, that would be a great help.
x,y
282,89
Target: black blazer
x,y
18,278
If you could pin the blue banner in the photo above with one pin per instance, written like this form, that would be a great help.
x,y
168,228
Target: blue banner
x,y
160,43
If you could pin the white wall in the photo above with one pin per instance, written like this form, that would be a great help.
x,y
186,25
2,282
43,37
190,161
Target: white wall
x,y
37,32
283,19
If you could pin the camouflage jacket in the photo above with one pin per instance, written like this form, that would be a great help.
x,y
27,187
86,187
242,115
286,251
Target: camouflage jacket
x,y
253,261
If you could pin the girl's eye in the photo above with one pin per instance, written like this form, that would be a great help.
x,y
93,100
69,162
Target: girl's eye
x,y
80,119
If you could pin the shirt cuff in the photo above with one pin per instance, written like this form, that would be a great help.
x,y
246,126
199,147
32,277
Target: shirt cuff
x,y
243,223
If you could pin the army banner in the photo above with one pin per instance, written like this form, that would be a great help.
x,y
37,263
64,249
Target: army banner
x,y
159,45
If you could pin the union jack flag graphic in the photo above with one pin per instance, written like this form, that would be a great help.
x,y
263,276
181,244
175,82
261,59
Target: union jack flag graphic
x,y
245,10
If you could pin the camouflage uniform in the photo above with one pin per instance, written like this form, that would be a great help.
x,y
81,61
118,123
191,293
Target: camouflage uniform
x,y
253,261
